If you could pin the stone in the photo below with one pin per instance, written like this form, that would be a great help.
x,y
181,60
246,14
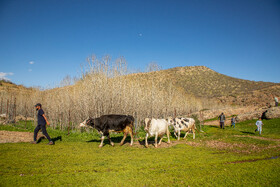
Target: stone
x,y
273,112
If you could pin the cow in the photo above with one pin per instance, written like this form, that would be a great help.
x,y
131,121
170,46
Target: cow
x,y
184,124
111,123
156,127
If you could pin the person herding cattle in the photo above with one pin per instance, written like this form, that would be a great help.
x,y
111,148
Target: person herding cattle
x,y
42,121
222,118
276,101
111,123
233,121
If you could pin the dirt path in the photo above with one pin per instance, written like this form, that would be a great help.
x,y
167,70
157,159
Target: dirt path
x,y
259,138
15,137
217,122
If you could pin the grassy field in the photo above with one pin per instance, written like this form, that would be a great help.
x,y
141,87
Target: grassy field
x,y
217,157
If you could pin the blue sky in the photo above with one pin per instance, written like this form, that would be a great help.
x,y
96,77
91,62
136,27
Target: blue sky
x,y
43,41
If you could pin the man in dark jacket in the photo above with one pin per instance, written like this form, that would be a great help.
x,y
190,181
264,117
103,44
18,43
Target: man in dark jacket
x,y
42,121
222,118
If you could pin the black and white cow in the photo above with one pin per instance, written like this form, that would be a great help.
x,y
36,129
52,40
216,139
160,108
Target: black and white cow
x,y
111,123
184,124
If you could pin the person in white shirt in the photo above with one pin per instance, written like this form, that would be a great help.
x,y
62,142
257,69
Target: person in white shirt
x,y
259,124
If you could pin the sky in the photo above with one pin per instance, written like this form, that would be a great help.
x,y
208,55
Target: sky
x,y
41,42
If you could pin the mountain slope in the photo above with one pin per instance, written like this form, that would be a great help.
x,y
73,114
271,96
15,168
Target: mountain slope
x,y
203,82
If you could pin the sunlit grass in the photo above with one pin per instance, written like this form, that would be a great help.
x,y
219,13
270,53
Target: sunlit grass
x,y
77,161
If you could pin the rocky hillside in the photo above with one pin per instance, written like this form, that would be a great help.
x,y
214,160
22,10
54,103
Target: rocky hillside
x,y
203,82
7,86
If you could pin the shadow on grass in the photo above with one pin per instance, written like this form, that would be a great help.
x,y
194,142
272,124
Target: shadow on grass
x,y
40,139
53,139
246,132
150,142
214,126
114,139
56,139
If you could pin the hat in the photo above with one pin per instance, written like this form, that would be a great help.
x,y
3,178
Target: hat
x,y
38,104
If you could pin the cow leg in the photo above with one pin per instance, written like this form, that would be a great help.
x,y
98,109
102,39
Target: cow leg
x,y
131,136
187,132
160,140
193,133
124,137
167,132
175,134
125,132
146,140
156,137
102,139
112,143
179,134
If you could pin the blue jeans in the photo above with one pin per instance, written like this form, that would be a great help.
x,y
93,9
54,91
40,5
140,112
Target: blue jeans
x,y
259,129
233,124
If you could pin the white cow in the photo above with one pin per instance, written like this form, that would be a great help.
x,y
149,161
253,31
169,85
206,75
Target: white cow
x,y
184,124
156,127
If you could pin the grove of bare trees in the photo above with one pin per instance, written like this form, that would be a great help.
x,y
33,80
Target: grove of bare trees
x,y
105,87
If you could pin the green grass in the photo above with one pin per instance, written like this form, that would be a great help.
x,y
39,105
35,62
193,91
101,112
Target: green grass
x,y
77,160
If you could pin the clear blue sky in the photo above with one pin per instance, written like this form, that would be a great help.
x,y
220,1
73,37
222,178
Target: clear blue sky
x,y
43,41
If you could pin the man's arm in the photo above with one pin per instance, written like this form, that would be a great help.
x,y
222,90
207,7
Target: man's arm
x,y
46,119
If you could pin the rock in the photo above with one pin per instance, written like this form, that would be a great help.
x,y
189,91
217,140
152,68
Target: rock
x,y
2,115
271,113
244,113
22,118
4,121
249,116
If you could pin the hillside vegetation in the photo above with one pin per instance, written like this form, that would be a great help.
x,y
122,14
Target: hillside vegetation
x,y
107,87
203,82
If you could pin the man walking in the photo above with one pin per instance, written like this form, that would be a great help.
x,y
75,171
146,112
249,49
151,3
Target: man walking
x,y
222,118
233,121
42,121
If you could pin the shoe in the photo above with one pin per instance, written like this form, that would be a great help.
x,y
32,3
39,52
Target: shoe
x,y
51,143
33,142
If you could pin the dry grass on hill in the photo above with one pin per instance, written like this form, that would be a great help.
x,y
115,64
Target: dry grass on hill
x,y
108,88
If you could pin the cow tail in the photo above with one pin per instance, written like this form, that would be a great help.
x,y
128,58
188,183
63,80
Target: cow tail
x,y
134,132
132,125
167,130
196,128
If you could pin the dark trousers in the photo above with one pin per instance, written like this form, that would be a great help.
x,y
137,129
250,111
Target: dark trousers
x,y
44,130
222,124
276,103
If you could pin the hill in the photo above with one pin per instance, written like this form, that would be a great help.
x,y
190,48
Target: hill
x,y
203,82
9,86
172,92
198,81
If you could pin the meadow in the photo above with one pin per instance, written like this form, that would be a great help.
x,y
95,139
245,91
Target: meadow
x,y
217,157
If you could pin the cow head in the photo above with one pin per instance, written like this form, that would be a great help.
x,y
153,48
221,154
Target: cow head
x,y
147,124
86,122
170,121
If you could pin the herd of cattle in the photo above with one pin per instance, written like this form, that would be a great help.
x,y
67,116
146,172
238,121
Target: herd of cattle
x,y
153,127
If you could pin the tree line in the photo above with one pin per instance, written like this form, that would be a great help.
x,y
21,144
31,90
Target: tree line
x,y
105,87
